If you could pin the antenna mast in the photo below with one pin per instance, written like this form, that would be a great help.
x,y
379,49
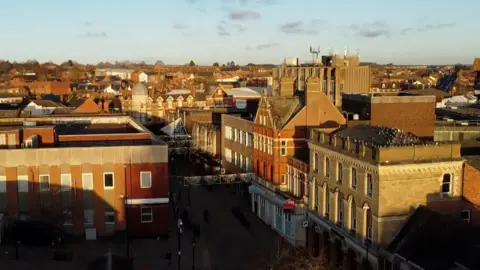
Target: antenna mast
x,y
315,53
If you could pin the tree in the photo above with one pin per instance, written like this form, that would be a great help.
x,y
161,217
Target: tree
x,y
191,63
251,64
216,64
286,257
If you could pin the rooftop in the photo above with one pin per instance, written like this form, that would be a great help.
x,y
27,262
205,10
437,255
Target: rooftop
x,y
389,98
90,129
435,241
378,136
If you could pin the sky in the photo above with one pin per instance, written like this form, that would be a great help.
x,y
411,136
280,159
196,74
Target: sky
x,y
243,31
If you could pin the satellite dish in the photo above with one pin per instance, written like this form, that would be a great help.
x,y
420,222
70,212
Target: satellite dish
x,y
240,104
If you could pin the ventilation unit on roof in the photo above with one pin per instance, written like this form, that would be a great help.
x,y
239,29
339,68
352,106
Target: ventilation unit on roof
x,y
29,123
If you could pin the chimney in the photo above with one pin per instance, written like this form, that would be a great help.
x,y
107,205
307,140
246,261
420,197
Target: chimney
x,y
286,87
193,91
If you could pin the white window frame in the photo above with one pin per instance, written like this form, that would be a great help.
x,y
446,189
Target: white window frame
x,y
445,194
65,187
42,188
149,178
283,147
113,180
327,165
142,214
340,211
110,212
84,187
469,219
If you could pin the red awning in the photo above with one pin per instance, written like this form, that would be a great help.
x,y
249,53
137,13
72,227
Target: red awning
x,y
289,205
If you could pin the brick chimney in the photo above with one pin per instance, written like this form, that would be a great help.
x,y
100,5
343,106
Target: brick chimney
x,y
193,91
286,87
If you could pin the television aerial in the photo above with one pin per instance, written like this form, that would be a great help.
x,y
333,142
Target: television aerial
x,y
315,52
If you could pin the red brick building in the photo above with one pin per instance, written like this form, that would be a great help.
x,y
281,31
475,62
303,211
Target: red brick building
x,y
84,172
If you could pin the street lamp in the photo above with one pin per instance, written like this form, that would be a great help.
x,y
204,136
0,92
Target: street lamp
x,y
180,230
193,253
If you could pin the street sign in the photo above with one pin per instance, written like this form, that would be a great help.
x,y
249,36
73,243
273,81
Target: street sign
x,y
305,223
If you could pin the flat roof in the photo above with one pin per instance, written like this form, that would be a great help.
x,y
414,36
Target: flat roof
x,y
389,98
84,129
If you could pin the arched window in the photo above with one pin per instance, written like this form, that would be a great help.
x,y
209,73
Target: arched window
x,y
368,222
339,209
353,216
446,184
327,167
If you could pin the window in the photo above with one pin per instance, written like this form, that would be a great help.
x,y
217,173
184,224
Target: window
x,y
228,155
66,182
374,154
368,218
327,167
241,138
67,217
315,162
465,215
147,214
3,139
327,203
108,180
109,215
340,172
232,133
369,185
353,216
228,132
88,216
339,210
87,181
288,225
357,148
3,184
446,184
283,149
145,179
284,179
354,178
44,180
316,194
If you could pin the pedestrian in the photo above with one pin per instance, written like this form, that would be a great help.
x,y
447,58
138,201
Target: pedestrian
x,y
205,215
168,256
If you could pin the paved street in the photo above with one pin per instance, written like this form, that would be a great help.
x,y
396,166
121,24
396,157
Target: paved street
x,y
223,243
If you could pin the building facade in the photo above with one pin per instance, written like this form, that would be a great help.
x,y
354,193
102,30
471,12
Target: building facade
x,y
95,174
237,144
365,181
336,74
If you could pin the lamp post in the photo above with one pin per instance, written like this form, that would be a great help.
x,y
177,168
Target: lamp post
x,y
180,230
193,253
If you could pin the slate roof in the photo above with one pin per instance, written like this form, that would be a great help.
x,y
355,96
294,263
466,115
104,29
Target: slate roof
x,y
76,102
435,241
283,109
47,103
378,136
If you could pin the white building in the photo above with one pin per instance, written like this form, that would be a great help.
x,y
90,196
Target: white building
x,y
42,107
143,77
125,74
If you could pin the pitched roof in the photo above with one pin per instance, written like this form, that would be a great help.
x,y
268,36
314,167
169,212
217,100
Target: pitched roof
x,y
435,241
76,102
378,136
46,103
283,109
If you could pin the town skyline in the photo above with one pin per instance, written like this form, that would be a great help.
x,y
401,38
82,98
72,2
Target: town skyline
x,y
246,31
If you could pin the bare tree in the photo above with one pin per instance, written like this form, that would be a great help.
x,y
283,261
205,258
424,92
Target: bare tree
x,y
286,257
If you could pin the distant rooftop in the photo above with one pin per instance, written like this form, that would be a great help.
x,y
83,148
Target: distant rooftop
x,y
389,98
378,136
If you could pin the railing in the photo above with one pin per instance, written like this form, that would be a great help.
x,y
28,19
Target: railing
x,y
216,179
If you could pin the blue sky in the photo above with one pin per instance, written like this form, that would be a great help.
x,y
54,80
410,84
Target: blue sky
x,y
259,31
